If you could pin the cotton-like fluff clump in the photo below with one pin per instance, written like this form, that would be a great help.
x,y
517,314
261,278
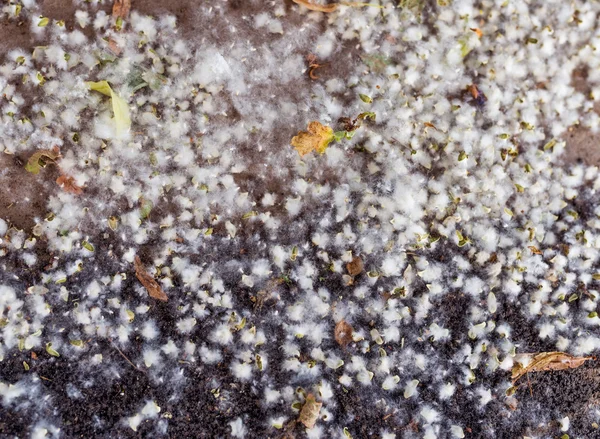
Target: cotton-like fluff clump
x,y
454,198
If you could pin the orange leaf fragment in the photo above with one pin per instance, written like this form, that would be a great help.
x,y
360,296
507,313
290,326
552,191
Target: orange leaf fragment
x,y
545,361
310,411
317,138
121,9
355,267
67,183
477,31
314,7
148,281
343,333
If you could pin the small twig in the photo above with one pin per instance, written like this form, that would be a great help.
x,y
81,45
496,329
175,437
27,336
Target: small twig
x,y
529,384
126,359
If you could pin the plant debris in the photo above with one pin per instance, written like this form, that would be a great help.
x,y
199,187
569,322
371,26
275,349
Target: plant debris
x,y
119,105
343,333
121,9
545,361
355,267
317,138
478,96
67,183
313,65
314,7
148,281
310,411
40,158
351,125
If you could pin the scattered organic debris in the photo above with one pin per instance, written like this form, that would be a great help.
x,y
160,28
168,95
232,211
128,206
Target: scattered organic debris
x,y
343,333
545,361
478,96
121,9
351,125
310,411
355,267
314,7
40,158
333,6
148,281
312,66
317,138
68,184
119,105
477,31
120,13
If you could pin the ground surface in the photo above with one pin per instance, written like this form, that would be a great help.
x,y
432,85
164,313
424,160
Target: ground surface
x,y
479,241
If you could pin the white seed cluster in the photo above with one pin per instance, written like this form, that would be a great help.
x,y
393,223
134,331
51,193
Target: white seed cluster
x,y
455,199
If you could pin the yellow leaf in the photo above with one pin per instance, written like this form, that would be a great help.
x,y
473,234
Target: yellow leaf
x,y
317,138
119,105
545,361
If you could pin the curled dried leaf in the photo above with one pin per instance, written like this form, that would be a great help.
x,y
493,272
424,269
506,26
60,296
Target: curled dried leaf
x,y
67,183
477,31
40,158
317,138
355,267
314,7
121,9
148,281
310,411
343,333
545,361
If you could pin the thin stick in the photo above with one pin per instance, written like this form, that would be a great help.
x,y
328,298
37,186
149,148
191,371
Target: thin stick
x,y
126,359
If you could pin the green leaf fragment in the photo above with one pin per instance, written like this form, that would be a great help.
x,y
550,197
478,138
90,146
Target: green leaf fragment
x,y
550,144
86,245
51,351
43,21
145,208
249,214
39,159
25,366
76,343
366,99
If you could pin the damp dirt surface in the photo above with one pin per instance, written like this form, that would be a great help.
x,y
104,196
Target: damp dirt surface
x,y
209,396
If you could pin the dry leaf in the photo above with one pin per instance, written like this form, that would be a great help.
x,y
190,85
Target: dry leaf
x,y
114,47
38,159
310,411
535,250
317,138
343,333
121,9
148,281
67,183
477,31
545,361
355,267
314,7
